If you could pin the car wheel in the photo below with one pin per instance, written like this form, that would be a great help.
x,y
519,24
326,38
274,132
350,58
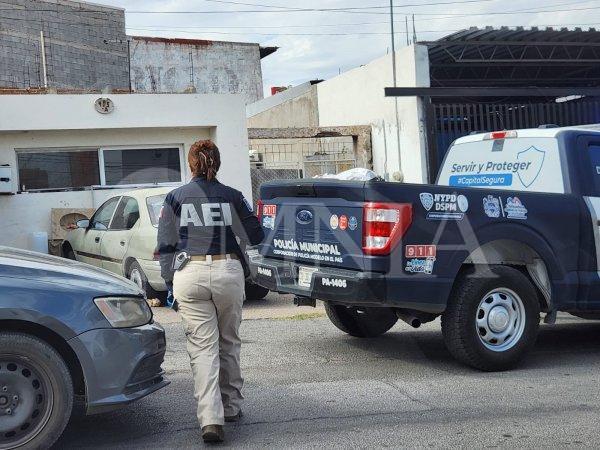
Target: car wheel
x,y
137,275
36,392
492,318
255,292
361,322
69,253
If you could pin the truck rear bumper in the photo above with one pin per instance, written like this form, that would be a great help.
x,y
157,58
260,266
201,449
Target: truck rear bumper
x,y
350,287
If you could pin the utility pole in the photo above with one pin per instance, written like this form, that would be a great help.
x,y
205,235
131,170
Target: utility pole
x,y
43,55
414,30
393,40
395,80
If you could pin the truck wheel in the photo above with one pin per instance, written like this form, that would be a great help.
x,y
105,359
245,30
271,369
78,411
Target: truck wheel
x,y
137,275
254,291
361,322
492,318
36,392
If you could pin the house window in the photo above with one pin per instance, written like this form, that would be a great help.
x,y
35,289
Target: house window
x,y
141,166
71,168
57,169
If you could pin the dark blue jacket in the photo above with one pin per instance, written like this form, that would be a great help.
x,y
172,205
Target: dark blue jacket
x,y
203,218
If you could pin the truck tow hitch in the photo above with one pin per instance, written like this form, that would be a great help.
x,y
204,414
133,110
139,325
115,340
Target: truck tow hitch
x,y
304,301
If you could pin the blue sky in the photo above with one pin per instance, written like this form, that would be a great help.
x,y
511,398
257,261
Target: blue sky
x,y
320,44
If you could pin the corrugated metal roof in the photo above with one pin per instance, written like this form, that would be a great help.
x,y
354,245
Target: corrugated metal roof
x,y
516,56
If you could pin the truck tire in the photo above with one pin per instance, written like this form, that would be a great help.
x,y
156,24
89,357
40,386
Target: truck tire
x,y
361,322
36,392
254,291
492,318
137,275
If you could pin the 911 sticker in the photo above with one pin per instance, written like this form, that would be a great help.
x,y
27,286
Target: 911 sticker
x,y
269,210
420,258
420,251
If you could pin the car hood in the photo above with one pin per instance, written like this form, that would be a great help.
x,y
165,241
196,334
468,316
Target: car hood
x,y
24,264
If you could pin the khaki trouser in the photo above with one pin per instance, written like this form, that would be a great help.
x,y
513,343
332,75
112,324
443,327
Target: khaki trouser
x,y
210,296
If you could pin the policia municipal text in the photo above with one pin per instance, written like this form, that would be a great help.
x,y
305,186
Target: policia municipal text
x,y
199,223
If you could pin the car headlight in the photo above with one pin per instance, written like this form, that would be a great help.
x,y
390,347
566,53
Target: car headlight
x,y
124,312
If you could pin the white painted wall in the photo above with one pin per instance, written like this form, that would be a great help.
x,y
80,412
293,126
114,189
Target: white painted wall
x,y
357,97
43,121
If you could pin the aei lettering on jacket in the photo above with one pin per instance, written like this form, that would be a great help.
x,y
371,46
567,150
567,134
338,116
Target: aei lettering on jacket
x,y
213,215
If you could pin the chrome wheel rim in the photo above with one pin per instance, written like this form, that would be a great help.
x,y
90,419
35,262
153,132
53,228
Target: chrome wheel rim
x,y
26,400
136,277
500,320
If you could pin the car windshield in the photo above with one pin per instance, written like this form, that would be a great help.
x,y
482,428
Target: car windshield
x,y
154,205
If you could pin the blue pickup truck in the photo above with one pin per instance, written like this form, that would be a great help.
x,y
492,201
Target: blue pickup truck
x,y
509,231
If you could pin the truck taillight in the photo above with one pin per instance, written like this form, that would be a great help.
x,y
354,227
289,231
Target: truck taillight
x,y
156,255
259,207
384,224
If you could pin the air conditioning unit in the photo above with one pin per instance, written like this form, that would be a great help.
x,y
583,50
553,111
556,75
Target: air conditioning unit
x,y
8,182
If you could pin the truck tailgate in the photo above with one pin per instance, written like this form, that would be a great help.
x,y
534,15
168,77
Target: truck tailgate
x,y
317,222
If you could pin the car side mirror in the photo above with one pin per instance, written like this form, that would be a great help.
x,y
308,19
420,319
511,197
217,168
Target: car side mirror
x,y
83,223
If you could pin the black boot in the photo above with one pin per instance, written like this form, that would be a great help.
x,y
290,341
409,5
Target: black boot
x,y
213,433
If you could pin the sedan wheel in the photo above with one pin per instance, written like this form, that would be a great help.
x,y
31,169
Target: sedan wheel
x,y
136,277
25,400
36,392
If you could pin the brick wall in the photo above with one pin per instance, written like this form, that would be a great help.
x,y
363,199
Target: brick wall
x,y
206,67
85,45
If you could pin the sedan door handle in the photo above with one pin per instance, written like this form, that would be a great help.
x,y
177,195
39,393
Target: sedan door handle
x,y
97,239
122,243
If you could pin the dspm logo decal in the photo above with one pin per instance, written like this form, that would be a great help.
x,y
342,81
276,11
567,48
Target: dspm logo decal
x,y
426,200
444,206
530,172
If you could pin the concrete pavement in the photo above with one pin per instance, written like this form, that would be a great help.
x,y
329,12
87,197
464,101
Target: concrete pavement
x,y
310,385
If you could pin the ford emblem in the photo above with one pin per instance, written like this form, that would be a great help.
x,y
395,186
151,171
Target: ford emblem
x,y
304,217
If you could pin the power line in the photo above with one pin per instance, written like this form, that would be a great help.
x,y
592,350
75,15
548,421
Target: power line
x,y
348,8
335,24
366,33
283,9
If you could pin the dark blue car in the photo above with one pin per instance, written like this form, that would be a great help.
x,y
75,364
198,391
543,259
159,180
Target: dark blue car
x,y
69,331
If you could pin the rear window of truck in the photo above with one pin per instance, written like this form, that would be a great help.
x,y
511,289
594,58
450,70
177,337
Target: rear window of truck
x,y
522,164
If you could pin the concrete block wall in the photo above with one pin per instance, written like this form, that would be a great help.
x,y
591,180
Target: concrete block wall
x,y
205,67
85,45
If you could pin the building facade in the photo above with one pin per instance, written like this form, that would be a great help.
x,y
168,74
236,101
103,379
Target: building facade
x,y
63,44
79,46
58,151
356,98
160,65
